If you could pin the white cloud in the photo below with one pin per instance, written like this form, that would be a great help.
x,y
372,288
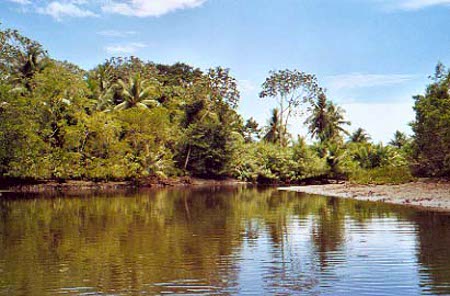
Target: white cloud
x,y
22,2
359,80
115,33
414,4
59,10
145,8
128,48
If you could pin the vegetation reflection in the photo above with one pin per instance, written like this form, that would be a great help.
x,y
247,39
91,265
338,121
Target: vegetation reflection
x,y
145,241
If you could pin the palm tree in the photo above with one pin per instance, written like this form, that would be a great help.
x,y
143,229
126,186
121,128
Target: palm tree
x,y
336,121
326,120
400,140
275,132
251,130
100,82
28,63
360,136
334,154
138,92
317,121
371,156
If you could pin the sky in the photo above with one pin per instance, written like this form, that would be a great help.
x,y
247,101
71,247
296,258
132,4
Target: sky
x,y
372,56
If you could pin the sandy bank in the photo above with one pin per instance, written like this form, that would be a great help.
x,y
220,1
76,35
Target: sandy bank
x,y
431,195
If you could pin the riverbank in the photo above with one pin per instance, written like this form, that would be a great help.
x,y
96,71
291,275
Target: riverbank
x,y
73,187
426,194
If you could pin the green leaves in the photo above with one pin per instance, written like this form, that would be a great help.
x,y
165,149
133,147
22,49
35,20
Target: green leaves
x,y
138,92
130,119
292,89
360,136
223,87
296,86
432,127
326,120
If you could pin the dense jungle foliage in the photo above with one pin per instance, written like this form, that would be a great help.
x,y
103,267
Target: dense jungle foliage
x,y
127,119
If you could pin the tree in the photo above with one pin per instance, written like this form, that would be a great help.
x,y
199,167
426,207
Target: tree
x,y
211,123
138,92
177,74
29,63
274,128
317,122
101,83
251,130
223,87
326,120
335,128
360,136
370,156
20,58
431,126
400,140
333,157
292,88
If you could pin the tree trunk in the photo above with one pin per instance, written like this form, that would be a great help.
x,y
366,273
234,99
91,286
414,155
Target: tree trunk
x,y
187,158
280,124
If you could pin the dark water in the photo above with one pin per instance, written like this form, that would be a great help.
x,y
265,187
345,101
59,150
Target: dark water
x,y
215,241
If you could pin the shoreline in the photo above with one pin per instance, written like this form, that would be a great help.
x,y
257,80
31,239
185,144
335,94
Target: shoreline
x,y
425,195
429,195
76,186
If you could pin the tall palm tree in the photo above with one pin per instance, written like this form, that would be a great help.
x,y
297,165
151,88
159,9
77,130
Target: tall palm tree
x,y
326,120
360,136
318,120
138,92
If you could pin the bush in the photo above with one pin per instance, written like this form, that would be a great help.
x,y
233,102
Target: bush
x,y
270,163
382,175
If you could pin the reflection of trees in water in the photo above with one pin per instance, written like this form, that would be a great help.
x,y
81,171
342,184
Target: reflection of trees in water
x,y
433,230
115,244
328,232
129,243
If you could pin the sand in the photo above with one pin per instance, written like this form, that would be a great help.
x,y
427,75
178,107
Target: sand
x,y
432,195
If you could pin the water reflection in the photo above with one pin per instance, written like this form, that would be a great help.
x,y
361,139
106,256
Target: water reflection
x,y
220,241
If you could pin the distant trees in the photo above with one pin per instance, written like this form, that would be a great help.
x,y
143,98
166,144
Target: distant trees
x,y
127,119
359,136
400,140
251,130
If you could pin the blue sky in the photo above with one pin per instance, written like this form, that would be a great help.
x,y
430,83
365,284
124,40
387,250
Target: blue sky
x,y
371,55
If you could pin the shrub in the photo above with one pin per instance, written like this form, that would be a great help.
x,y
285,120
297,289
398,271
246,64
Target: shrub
x,y
270,163
382,175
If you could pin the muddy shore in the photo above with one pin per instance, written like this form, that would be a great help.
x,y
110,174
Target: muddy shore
x,y
76,187
430,195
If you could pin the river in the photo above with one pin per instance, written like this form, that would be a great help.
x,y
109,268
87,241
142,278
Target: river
x,y
219,241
